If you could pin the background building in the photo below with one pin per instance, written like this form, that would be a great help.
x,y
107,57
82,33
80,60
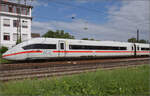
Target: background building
x,y
35,35
14,19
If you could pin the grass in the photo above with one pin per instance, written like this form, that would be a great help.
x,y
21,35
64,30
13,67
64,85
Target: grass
x,y
123,82
3,60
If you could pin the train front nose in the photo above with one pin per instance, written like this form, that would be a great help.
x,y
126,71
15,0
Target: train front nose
x,y
7,56
13,54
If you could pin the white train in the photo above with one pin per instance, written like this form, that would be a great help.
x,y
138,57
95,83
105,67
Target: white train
x,y
45,48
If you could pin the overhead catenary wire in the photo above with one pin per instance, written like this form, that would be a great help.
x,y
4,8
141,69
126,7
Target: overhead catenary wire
x,y
98,12
89,9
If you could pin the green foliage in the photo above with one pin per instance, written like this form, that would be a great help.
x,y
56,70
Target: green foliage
x,y
120,82
58,34
3,60
3,49
143,41
133,40
18,41
87,39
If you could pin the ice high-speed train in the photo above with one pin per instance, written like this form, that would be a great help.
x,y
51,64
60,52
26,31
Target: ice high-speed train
x,y
46,48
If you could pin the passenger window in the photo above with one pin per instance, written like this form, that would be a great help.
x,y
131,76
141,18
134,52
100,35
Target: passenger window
x,y
88,47
145,49
132,48
40,46
61,45
138,48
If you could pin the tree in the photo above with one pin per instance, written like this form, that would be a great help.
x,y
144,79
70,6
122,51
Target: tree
x,y
18,40
58,34
133,40
3,49
142,41
91,39
87,39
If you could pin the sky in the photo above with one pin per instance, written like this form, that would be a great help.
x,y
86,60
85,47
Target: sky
x,y
116,20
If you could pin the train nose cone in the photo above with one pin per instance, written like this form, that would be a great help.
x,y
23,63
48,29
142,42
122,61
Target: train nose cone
x,y
6,56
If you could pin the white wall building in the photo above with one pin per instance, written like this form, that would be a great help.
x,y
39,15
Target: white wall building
x,y
9,22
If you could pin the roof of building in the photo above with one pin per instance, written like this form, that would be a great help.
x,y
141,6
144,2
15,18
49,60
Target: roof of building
x,y
12,3
34,35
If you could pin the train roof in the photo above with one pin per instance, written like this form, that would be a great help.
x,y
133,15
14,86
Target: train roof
x,y
86,42
75,40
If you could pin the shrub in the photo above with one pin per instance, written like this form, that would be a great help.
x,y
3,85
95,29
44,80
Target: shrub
x,y
3,49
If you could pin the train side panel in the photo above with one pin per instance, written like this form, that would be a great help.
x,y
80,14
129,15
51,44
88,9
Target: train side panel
x,y
80,52
143,49
45,48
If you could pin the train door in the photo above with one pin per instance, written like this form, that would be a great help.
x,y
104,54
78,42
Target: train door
x,y
135,49
61,48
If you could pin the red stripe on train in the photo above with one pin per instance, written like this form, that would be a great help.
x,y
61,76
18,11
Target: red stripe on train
x,y
114,51
22,53
77,52
143,51
100,51
73,51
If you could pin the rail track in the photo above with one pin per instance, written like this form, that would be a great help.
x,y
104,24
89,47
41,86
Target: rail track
x,y
48,69
45,64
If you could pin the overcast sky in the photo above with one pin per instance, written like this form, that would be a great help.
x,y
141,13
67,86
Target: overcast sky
x,y
99,19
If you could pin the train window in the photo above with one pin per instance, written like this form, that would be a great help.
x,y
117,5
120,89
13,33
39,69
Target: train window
x,y
145,48
40,46
86,47
61,45
132,48
138,48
